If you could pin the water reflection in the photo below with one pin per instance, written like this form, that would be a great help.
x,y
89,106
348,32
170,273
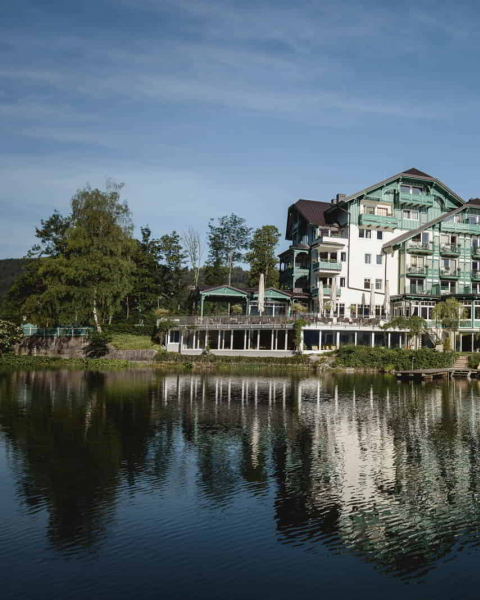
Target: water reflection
x,y
362,465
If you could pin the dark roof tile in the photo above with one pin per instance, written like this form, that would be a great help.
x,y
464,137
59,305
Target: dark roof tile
x,y
313,211
416,173
474,201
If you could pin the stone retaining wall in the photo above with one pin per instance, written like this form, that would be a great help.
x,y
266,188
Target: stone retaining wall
x,y
64,347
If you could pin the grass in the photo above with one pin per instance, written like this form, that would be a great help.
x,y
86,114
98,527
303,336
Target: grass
x,y
11,361
129,341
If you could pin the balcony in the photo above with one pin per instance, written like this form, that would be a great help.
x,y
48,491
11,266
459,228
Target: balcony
x,y
417,271
475,275
476,252
423,290
378,221
461,227
327,292
450,250
416,199
449,273
420,247
327,266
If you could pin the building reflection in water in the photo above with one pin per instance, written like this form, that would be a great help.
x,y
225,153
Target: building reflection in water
x,y
359,464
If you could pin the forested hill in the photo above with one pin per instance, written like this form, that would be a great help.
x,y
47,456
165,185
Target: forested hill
x,y
10,269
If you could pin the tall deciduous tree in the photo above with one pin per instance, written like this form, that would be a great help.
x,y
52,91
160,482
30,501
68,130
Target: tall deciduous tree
x,y
262,257
228,241
86,265
194,251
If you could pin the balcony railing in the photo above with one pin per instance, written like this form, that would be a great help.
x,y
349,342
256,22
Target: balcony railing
x,y
420,247
423,290
416,199
417,270
461,227
384,221
475,252
327,265
450,273
327,291
476,275
450,249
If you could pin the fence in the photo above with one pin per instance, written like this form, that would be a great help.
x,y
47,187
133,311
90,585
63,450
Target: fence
x,y
56,331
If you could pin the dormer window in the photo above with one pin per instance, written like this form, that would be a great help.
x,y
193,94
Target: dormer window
x,y
411,189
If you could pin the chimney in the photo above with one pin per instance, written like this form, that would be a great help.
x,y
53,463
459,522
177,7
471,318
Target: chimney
x,y
340,197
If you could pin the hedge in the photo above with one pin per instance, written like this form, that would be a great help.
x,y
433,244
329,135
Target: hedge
x,y
173,357
40,362
392,358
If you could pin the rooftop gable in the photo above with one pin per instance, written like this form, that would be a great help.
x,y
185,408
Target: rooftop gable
x,y
409,174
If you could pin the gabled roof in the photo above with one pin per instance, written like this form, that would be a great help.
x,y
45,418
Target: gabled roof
x,y
414,173
474,201
222,289
417,173
312,210
410,234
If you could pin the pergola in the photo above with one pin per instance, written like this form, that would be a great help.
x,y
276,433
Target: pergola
x,y
223,293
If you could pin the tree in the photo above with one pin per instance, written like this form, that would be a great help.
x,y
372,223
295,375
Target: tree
x,y
10,334
262,257
86,261
147,276
414,326
227,242
194,251
173,269
448,314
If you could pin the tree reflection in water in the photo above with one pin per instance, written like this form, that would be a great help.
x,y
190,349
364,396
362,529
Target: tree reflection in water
x,y
359,464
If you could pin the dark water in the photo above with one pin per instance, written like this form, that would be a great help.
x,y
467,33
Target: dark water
x,y
144,485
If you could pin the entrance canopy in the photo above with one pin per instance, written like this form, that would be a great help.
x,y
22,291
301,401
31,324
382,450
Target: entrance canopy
x,y
223,293
277,302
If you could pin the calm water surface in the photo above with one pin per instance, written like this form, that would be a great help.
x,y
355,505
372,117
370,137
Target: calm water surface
x,y
149,485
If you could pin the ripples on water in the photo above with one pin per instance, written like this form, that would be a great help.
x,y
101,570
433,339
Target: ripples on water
x,y
139,484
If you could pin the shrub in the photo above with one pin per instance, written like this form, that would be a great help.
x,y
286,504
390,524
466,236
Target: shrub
x,y
97,345
10,334
392,358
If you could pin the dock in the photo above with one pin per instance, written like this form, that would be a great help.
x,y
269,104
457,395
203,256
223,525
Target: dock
x,y
430,374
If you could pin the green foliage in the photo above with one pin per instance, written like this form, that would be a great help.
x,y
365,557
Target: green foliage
x,y
449,313
127,341
10,270
237,309
262,256
473,360
10,334
227,242
214,359
392,358
297,332
97,345
298,308
9,361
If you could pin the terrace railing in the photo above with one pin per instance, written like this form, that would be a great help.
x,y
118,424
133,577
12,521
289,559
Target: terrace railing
x,y
56,331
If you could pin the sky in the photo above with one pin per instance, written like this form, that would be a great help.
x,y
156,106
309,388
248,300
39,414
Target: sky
x,y
207,107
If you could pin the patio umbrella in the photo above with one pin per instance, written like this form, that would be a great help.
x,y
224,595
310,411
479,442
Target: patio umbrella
x,y
261,294
333,296
386,303
320,298
372,301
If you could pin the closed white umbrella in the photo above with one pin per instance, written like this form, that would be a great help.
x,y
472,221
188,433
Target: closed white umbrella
x,y
372,301
261,294
333,297
387,300
320,298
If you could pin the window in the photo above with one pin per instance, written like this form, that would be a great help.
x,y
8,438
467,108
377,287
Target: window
x,y
411,189
410,214
342,281
477,313
378,284
341,310
368,210
364,233
368,259
366,283
382,212
379,259
379,235
174,336
343,256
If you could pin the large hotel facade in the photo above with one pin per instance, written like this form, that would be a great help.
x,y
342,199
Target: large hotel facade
x,y
397,247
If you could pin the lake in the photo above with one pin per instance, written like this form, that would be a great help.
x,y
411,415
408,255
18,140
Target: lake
x,y
145,484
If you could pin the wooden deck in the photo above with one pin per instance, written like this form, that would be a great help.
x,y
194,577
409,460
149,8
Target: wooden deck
x,y
429,374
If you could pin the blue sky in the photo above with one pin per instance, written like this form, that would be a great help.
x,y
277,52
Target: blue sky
x,y
206,107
